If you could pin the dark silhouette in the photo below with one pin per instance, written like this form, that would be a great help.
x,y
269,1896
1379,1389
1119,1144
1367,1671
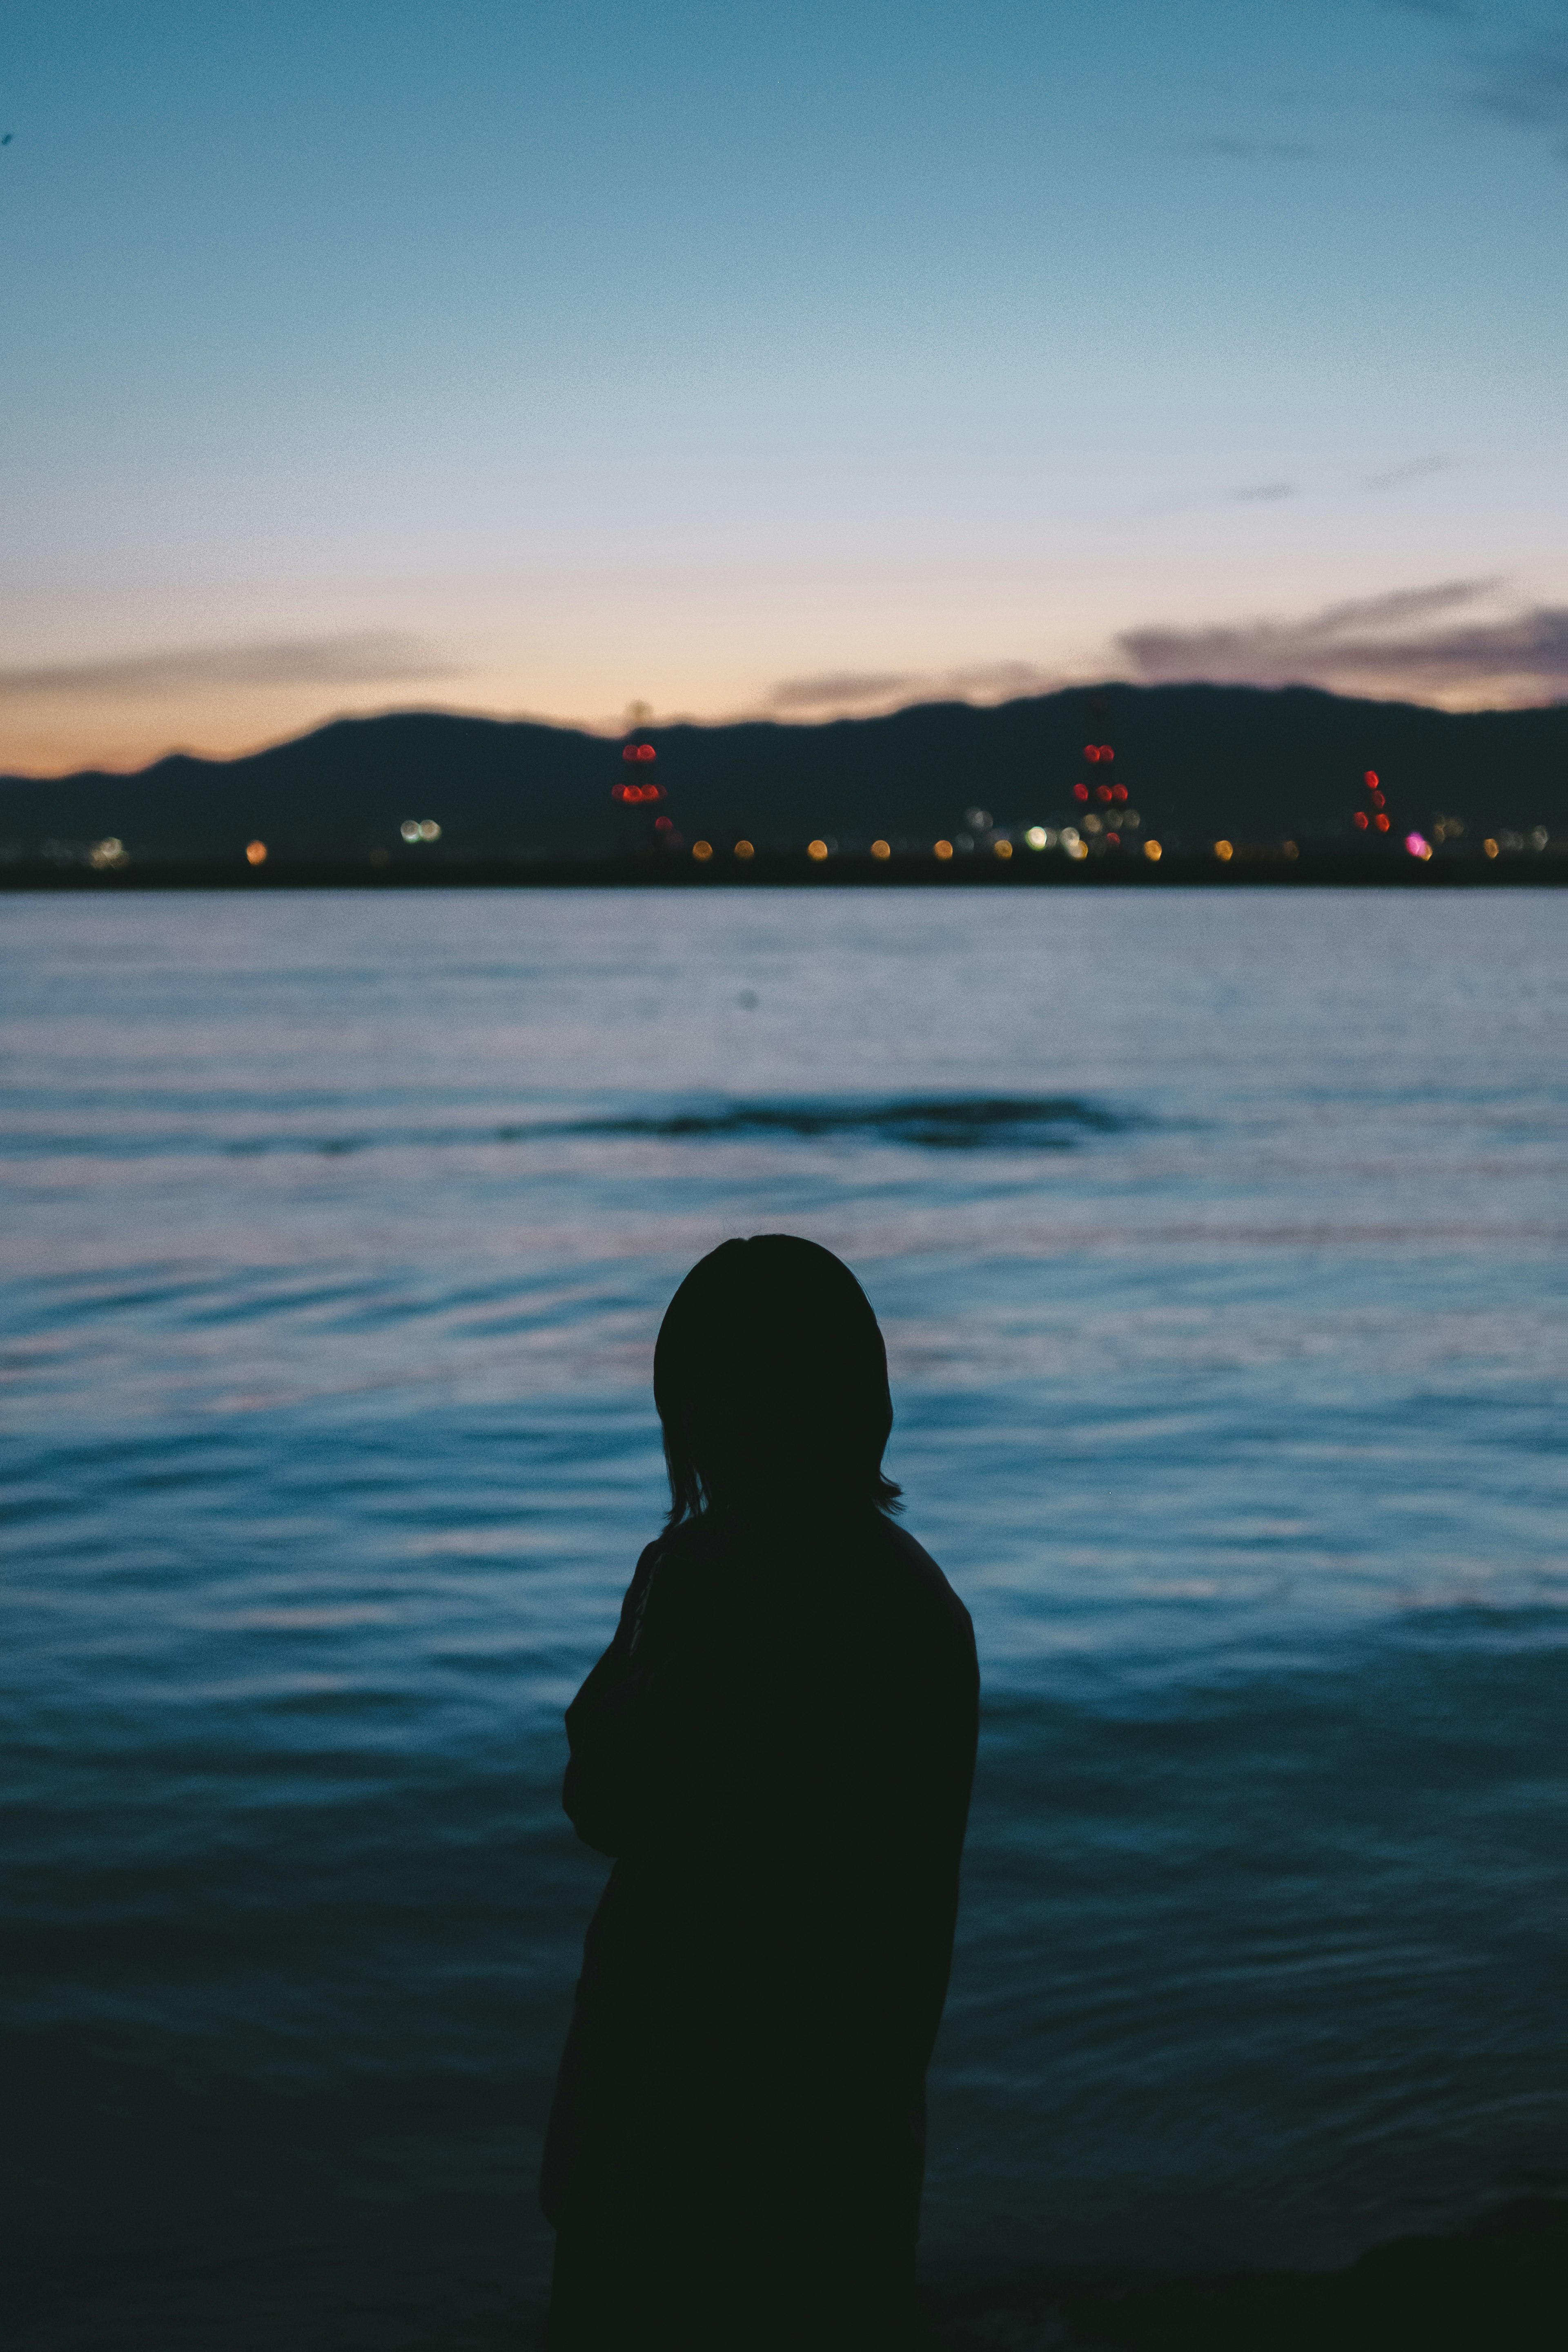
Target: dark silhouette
x,y
777,1748
1200,760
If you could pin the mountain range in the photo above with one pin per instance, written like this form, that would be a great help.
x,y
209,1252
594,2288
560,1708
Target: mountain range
x,y
1198,761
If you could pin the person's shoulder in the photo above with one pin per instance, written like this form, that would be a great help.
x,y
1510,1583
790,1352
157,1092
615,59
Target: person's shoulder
x,y
916,1593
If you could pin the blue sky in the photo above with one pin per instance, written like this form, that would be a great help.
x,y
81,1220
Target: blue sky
x,y
794,359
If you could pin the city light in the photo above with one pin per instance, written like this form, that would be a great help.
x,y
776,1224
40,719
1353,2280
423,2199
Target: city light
x,y
1490,846
419,828
944,850
1417,845
1080,791
881,849
1002,849
703,851
817,851
1223,851
744,849
1152,852
256,853
1038,838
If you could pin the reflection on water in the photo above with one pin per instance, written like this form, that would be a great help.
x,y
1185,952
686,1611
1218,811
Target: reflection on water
x,y
1213,1244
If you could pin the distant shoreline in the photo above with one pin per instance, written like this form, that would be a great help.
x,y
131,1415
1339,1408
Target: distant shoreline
x,y
1264,868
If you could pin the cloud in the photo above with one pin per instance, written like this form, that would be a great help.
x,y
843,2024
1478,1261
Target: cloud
x,y
838,693
1529,88
1250,150
1421,643
1411,470
367,657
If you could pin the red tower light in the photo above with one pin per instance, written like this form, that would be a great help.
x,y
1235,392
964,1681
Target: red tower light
x,y
1104,792
1370,779
1080,791
639,751
1106,752
1091,752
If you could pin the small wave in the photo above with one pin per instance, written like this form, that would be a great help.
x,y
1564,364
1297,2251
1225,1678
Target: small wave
x,y
941,1122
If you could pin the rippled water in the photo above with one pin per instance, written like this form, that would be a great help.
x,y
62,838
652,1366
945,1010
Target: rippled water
x,y
1215,1241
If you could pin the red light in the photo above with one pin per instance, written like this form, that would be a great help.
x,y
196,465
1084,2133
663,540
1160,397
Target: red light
x,y
1103,792
1119,792
1370,779
1377,800
1091,752
1380,822
1080,791
1106,752
1360,820
1114,839
647,752
661,824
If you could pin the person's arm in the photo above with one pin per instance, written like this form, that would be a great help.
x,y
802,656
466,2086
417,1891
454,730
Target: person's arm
x,y
632,1724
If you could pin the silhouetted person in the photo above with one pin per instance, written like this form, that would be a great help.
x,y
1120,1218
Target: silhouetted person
x,y
777,1748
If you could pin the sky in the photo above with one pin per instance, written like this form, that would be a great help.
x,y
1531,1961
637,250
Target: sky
x,y
790,359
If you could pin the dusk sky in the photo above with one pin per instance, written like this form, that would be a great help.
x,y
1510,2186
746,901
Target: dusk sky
x,y
790,359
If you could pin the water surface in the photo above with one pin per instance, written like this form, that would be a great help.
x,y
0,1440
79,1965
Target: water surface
x,y
1217,1243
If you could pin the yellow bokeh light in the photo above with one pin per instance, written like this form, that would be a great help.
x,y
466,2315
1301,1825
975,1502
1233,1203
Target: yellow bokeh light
x,y
256,853
1224,852
944,849
703,851
881,849
744,849
1292,850
1002,848
1152,852
1490,846
818,850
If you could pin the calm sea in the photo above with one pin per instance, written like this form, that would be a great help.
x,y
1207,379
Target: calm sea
x,y
1215,1239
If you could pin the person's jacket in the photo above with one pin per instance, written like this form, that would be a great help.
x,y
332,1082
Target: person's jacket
x,y
778,1749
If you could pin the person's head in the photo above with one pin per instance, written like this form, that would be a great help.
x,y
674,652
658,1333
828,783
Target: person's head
x,y
771,1381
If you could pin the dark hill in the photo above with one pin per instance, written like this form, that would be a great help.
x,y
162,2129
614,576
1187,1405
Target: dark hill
x,y
1199,761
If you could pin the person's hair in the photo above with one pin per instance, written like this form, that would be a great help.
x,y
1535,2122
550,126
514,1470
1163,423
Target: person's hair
x,y
771,1381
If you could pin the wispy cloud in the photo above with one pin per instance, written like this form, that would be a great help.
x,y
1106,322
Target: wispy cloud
x,y
835,693
1241,149
367,657
1436,644
1412,470
1529,88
